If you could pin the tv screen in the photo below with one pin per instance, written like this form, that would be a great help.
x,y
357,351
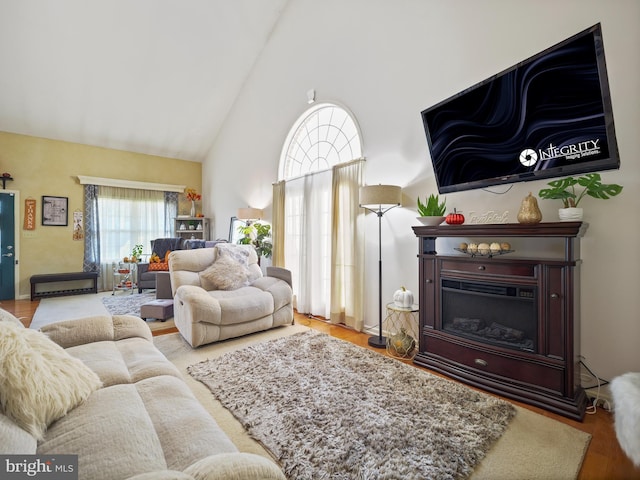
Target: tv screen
x,y
548,116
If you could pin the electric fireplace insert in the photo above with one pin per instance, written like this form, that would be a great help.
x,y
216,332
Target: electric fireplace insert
x,y
497,314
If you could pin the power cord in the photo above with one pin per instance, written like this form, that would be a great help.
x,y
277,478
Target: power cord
x,y
498,193
593,408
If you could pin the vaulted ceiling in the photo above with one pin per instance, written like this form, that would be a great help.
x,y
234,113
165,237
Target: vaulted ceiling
x,y
148,76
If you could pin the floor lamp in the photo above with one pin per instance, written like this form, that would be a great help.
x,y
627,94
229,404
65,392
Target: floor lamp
x,y
379,199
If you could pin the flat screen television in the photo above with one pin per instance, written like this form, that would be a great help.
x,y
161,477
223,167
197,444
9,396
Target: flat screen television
x,y
548,116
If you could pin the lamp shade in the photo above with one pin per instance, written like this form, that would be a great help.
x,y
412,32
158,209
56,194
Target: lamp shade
x,y
249,213
380,196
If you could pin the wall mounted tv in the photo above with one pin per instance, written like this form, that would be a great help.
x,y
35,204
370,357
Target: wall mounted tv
x,y
548,116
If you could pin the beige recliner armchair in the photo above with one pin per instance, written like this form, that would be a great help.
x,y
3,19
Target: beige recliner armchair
x,y
221,293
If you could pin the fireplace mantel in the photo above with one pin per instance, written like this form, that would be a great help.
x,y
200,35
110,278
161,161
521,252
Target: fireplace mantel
x,y
549,375
544,229
567,230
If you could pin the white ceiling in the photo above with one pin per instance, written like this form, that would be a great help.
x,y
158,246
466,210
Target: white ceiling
x,y
148,76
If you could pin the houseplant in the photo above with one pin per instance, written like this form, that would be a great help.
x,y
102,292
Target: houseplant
x,y
136,254
572,190
259,235
432,212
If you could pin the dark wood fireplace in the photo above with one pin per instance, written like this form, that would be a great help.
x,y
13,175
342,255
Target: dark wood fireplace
x,y
507,324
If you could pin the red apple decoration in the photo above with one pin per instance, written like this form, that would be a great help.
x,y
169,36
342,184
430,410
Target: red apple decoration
x,y
454,218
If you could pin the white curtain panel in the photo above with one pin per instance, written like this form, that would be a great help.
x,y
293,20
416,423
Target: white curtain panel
x,y
347,264
277,230
308,241
127,217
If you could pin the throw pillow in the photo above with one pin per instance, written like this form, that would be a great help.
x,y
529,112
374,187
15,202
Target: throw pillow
x,y
239,253
224,274
158,267
40,382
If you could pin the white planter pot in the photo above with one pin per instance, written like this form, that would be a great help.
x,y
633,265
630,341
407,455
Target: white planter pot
x,y
431,221
571,214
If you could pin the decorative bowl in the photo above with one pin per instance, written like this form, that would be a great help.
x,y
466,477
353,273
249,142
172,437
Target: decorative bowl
x,y
431,221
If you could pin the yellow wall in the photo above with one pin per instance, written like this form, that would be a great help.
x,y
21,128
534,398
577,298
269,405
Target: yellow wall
x,y
48,167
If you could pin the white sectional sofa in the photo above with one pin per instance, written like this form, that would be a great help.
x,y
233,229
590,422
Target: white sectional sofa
x,y
98,388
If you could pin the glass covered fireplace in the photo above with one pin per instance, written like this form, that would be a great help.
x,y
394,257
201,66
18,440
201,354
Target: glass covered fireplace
x,y
492,313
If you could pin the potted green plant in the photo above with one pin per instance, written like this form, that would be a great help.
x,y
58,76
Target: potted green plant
x,y
432,211
571,191
259,235
136,253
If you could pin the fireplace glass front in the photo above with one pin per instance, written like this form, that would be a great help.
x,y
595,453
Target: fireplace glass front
x,y
496,314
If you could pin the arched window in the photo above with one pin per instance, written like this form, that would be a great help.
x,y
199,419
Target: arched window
x,y
324,136
321,185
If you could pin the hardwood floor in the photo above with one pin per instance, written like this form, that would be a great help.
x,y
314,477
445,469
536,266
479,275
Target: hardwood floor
x,y
604,459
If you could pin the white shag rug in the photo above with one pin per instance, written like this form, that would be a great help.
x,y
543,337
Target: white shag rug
x,y
326,408
534,447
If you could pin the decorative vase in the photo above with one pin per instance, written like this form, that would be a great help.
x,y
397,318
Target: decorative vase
x,y
571,214
529,212
193,208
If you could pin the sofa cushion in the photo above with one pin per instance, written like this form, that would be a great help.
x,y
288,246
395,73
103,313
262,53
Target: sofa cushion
x,y
279,290
152,425
242,305
111,433
186,265
163,475
39,381
226,273
96,329
235,466
15,440
126,361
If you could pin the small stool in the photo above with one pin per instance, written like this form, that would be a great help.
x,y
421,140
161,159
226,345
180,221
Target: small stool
x,y
158,309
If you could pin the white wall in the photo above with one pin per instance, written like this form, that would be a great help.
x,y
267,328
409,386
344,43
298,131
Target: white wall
x,y
388,60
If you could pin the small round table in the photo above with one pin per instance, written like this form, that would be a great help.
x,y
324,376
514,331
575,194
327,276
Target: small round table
x,y
400,324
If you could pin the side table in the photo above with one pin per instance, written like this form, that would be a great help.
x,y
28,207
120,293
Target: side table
x,y
124,276
401,330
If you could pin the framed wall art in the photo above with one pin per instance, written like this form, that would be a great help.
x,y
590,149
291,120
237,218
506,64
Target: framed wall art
x,y
55,211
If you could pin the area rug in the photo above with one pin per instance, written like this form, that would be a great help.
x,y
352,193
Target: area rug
x,y
127,304
326,408
533,447
58,309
